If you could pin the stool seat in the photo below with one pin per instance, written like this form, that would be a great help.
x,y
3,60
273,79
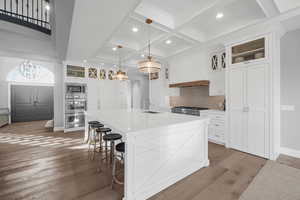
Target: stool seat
x,y
121,147
112,137
96,125
103,130
93,122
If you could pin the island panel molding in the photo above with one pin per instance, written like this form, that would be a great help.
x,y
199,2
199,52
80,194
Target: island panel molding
x,y
161,148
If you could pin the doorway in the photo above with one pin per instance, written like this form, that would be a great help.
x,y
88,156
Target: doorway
x,y
31,103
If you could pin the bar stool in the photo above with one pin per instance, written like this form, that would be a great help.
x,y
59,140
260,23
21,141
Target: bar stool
x,y
89,128
93,138
112,137
100,132
120,148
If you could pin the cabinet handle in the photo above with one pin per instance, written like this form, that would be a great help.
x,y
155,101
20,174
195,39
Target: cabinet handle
x,y
246,109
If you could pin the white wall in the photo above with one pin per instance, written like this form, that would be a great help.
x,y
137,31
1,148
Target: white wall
x,y
290,90
58,96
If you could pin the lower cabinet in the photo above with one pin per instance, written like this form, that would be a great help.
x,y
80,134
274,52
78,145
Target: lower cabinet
x,y
216,128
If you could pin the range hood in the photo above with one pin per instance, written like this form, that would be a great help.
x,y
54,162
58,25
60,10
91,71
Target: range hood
x,y
190,84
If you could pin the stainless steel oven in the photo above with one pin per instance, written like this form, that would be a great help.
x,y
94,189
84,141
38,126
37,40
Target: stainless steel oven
x,y
75,105
75,88
74,120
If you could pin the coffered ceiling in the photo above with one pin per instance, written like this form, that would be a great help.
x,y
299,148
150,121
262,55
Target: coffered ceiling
x,y
182,24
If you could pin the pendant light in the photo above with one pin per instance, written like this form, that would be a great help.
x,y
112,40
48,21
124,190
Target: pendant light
x,y
149,65
120,75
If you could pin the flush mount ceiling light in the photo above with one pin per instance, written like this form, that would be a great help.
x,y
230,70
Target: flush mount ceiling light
x,y
114,48
143,55
135,29
219,15
120,75
149,65
168,41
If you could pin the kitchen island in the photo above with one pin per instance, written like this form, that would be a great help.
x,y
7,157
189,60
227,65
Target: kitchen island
x,y
161,148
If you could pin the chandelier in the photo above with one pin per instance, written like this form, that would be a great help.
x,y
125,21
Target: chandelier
x,y
149,65
29,71
120,75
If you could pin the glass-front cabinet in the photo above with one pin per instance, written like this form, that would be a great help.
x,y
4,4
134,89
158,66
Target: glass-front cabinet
x,y
249,51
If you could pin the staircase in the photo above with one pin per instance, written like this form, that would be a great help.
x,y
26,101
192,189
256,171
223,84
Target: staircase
x,y
33,14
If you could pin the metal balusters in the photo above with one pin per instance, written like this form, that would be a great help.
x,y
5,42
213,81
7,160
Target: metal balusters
x,y
30,13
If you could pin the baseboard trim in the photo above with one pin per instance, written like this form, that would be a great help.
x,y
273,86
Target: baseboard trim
x,y
56,129
290,152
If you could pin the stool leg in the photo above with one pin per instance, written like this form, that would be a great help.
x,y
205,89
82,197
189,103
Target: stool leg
x,y
112,150
89,129
106,151
113,170
100,139
95,143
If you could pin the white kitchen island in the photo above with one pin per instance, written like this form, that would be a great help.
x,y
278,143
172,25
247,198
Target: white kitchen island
x,y
161,148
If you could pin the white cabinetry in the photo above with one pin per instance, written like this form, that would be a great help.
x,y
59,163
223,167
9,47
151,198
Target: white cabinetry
x,y
217,73
217,83
248,106
216,129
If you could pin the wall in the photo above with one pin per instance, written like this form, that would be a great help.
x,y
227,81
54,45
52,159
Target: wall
x,y
290,86
196,96
58,97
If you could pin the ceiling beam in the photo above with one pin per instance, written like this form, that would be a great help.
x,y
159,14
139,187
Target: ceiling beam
x,y
269,7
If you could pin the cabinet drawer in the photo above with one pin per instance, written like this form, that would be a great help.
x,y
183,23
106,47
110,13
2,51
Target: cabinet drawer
x,y
216,117
217,124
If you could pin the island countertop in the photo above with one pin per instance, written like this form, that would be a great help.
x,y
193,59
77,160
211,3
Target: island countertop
x,y
135,120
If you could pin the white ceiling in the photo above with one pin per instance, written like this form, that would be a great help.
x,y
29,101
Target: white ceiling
x,y
186,23
286,5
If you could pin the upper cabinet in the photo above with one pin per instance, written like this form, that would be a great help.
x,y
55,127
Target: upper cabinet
x,y
218,61
217,73
249,52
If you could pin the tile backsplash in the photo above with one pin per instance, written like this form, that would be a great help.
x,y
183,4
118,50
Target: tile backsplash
x,y
196,96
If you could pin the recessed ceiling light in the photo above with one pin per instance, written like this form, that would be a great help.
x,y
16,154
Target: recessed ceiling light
x,y
114,48
168,41
47,7
143,55
219,15
135,29
84,61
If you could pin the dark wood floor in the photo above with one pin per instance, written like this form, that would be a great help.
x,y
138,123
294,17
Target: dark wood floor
x,y
38,164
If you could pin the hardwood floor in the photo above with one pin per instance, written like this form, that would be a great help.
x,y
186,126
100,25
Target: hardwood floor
x,y
39,164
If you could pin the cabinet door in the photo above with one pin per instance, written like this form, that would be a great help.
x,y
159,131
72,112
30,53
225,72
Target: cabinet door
x,y
217,84
237,139
257,109
214,66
